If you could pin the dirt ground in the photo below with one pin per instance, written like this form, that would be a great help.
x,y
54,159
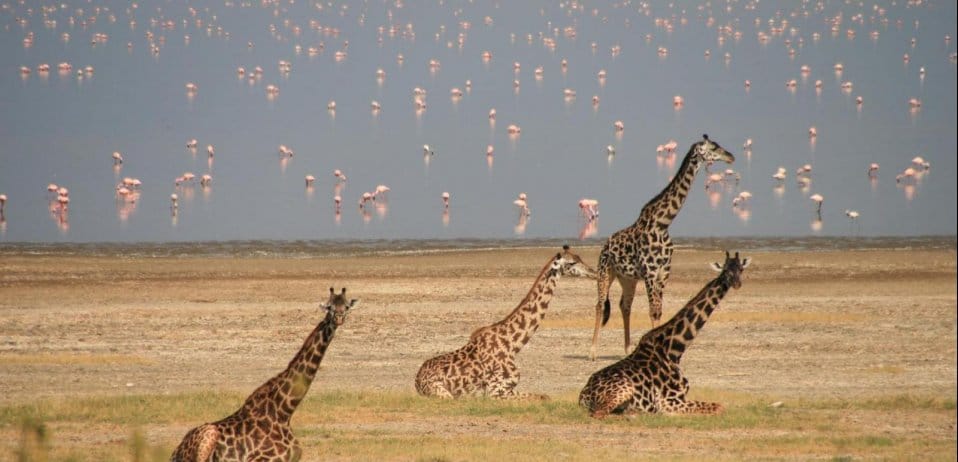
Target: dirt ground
x,y
816,325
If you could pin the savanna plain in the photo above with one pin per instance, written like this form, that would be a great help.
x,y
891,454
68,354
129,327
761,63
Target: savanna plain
x,y
821,355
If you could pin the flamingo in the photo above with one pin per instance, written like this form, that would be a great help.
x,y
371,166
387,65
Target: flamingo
x,y
522,204
206,180
309,180
3,202
851,214
381,190
427,151
210,150
906,175
339,176
780,174
742,199
174,205
492,114
817,199
191,144
748,144
678,101
610,150
812,132
715,178
873,170
920,164
445,199
513,129
589,208
117,158
618,125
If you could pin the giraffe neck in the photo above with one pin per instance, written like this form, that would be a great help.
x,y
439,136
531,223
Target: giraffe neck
x,y
675,336
280,396
662,209
525,319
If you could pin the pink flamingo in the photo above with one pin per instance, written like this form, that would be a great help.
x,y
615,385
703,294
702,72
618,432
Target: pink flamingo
x,y
678,101
117,158
742,199
191,144
309,180
873,170
366,197
589,208
513,129
3,203
817,199
445,200
339,176
909,174
337,202
381,191
714,178
812,132
492,114
174,203
522,204
206,180
780,174
210,150
618,125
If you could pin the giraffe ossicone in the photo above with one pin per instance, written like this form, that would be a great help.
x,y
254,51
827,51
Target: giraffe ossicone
x,y
643,251
260,431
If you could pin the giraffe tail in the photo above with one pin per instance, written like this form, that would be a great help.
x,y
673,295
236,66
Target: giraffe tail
x,y
606,311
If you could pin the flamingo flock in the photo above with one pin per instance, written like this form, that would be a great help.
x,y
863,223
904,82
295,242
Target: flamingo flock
x,y
307,40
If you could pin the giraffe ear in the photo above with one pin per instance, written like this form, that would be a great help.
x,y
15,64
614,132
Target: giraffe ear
x,y
746,262
353,303
715,266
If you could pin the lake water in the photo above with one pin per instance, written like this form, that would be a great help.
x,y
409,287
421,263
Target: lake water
x,y
62,128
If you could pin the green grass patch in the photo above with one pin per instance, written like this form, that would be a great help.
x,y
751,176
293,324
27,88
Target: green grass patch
x,y
367,425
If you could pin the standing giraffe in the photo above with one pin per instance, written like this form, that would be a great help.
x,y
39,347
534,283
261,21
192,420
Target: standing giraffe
x,y
650,379
259,431
643,251
486,364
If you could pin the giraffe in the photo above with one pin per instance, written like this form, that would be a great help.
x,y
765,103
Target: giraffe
x,y
643,251
259,431
650,379
486,364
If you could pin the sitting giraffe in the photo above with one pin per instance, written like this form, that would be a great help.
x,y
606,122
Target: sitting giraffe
x,y
259,431
650,379
643,251
486,364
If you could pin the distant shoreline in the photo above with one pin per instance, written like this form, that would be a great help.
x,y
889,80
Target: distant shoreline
x,y
385,247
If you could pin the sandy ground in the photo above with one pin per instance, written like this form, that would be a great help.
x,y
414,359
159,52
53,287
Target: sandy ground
x,y
817,325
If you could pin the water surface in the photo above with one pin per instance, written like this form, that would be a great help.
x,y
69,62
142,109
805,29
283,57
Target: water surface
x,y
61,128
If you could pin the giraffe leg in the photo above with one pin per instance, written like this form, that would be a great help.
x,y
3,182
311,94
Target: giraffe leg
x,y
692,407
198,445
504,381
604,282
654,288
606,397
625,305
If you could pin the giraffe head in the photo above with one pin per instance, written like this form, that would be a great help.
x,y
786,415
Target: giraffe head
x,y
732,270
709,151
570,264
337,307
